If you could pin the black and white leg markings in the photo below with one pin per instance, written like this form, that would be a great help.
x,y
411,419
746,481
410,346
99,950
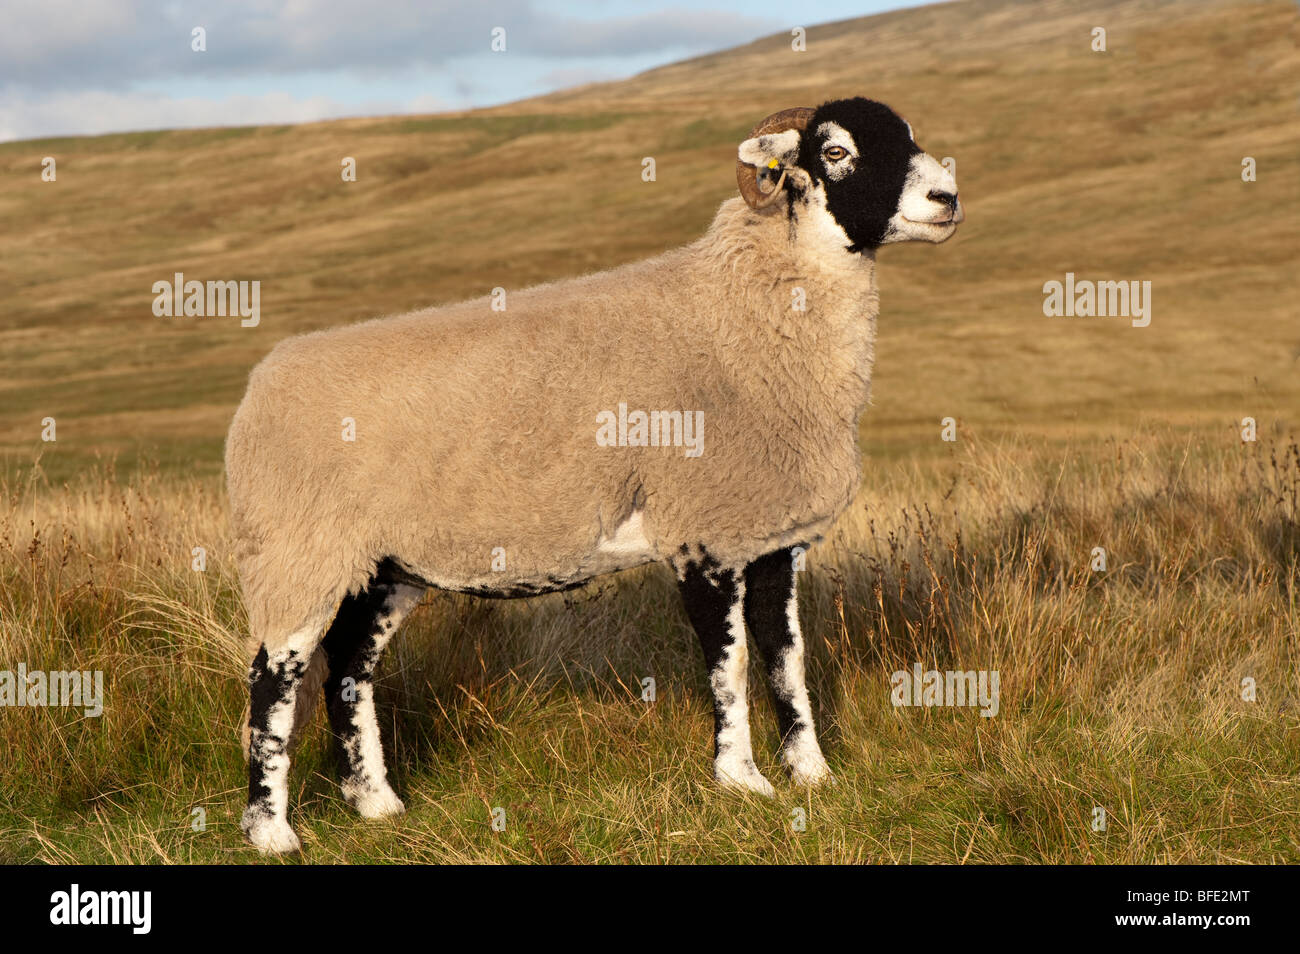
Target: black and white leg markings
x,y
714,600
772,614
362,629
273,682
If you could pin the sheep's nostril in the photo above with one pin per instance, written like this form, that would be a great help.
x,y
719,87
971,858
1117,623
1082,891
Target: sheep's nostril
x,y
947,198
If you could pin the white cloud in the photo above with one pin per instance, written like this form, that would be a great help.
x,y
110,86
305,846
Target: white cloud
x,y
114,44
80,67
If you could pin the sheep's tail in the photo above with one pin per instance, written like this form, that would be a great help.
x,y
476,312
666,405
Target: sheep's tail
x,y
309,692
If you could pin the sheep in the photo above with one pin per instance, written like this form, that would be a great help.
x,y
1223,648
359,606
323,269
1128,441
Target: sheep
x,y
487,457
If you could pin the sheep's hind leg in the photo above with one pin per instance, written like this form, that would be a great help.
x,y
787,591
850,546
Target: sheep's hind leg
x,y
355,641
772,614
273,682
714,602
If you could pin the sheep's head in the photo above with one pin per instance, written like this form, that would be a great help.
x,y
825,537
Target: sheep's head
x,y
852,172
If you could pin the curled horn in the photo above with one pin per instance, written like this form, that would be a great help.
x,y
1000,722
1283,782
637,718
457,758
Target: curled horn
x,y
747,176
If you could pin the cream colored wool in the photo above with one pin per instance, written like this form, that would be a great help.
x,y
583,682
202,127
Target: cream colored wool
x,y
476,429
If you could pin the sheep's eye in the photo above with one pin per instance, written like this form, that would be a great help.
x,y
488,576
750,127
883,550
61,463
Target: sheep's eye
x,y
835,153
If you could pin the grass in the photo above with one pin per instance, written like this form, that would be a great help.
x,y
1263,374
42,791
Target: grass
x,y
1119,689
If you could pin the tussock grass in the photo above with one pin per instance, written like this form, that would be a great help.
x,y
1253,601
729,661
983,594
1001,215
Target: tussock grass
x,y
1120,689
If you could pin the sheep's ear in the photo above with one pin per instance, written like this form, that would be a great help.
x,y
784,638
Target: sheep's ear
x,y
766,159
761,151
763,165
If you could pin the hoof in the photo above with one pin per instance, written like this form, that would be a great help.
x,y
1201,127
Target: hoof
x,y
807,766
373,802
269,835
742,775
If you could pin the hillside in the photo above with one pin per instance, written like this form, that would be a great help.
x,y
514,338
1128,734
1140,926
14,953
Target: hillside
x,y
1123,165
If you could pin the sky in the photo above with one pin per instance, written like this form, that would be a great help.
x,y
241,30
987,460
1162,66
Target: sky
x,y
81,67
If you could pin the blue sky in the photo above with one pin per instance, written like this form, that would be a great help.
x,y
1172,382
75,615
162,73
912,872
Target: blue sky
x,y
74,67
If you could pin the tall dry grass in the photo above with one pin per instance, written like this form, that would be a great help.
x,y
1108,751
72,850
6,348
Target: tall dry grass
x,y
1120,689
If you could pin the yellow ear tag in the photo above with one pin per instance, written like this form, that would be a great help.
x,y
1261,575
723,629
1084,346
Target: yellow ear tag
x,y
772,163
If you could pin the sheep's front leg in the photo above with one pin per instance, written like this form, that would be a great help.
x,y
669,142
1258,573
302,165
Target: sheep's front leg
x,y
772,614
715,604
356,639
273,682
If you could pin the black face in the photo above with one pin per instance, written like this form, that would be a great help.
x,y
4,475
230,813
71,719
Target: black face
x,y
862,193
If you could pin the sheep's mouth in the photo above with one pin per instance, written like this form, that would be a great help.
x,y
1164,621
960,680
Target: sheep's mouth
x,y
938,223
941,224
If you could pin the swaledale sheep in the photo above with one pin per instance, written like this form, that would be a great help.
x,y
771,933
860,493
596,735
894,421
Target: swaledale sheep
x,y
506,454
